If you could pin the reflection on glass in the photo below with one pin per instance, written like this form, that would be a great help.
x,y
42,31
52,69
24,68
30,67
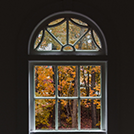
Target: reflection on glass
x,y
48,43
79,22
75,32
67,81
67,48
45,114
90,113
55,21
38,39
86,43
44,80
59,32
90,80
68,114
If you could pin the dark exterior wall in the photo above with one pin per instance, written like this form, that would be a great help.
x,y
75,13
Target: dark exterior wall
x,y
18,18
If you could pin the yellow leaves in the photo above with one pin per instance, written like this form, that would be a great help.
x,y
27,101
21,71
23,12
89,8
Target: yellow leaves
x,y
44,80
70,79
64,102
66,78
63,115
63,83
45,86
98,104
87,103
98,124
91,92
69,120
76,46
43,109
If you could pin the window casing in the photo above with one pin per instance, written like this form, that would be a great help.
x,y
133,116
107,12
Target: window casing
x,y
95,62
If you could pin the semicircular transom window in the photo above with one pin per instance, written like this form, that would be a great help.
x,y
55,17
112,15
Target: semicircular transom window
x,y
67,34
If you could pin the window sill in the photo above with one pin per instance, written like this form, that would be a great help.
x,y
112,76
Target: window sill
x,y
66,131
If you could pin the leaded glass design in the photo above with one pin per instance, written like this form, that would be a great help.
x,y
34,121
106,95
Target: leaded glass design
x,y
67,34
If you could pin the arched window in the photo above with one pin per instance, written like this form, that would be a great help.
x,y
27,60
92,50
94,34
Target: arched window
x,y
67,31
67,94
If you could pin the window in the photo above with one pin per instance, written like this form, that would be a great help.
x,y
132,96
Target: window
x,y
67,95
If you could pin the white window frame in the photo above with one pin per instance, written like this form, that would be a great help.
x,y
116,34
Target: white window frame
x,y
95,54
103,96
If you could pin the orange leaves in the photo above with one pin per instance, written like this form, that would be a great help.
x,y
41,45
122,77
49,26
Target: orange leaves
x,y
98,124
43,109
63,82
63,115
87,103
70,79
98,104
64,102
69,120
67,83
66,78
44,80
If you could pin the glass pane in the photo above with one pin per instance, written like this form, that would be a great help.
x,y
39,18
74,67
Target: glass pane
x,y
96,38
68,48
38,39
90,80
45,114
67,81
44,81
59,32
86,43
55,21
68,114
75,32
79,22
90,114
49,43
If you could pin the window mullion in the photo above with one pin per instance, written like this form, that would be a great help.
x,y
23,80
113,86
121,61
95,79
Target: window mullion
x,y
56,95
68,98
44,97
81,37
54,37
95,97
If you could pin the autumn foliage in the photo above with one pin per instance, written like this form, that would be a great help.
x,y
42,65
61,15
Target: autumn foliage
x,y
45,87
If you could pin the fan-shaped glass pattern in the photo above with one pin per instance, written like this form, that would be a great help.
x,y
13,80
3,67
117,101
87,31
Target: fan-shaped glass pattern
x,y
67,48
72,33
55,21
79,22
46,42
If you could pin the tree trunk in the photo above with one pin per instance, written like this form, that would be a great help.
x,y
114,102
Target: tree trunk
x,y
93,106
59,108
87,87
36,79
74,112
87,90
53,120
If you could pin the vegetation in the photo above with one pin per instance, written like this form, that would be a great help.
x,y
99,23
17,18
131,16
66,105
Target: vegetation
x,y
67,87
